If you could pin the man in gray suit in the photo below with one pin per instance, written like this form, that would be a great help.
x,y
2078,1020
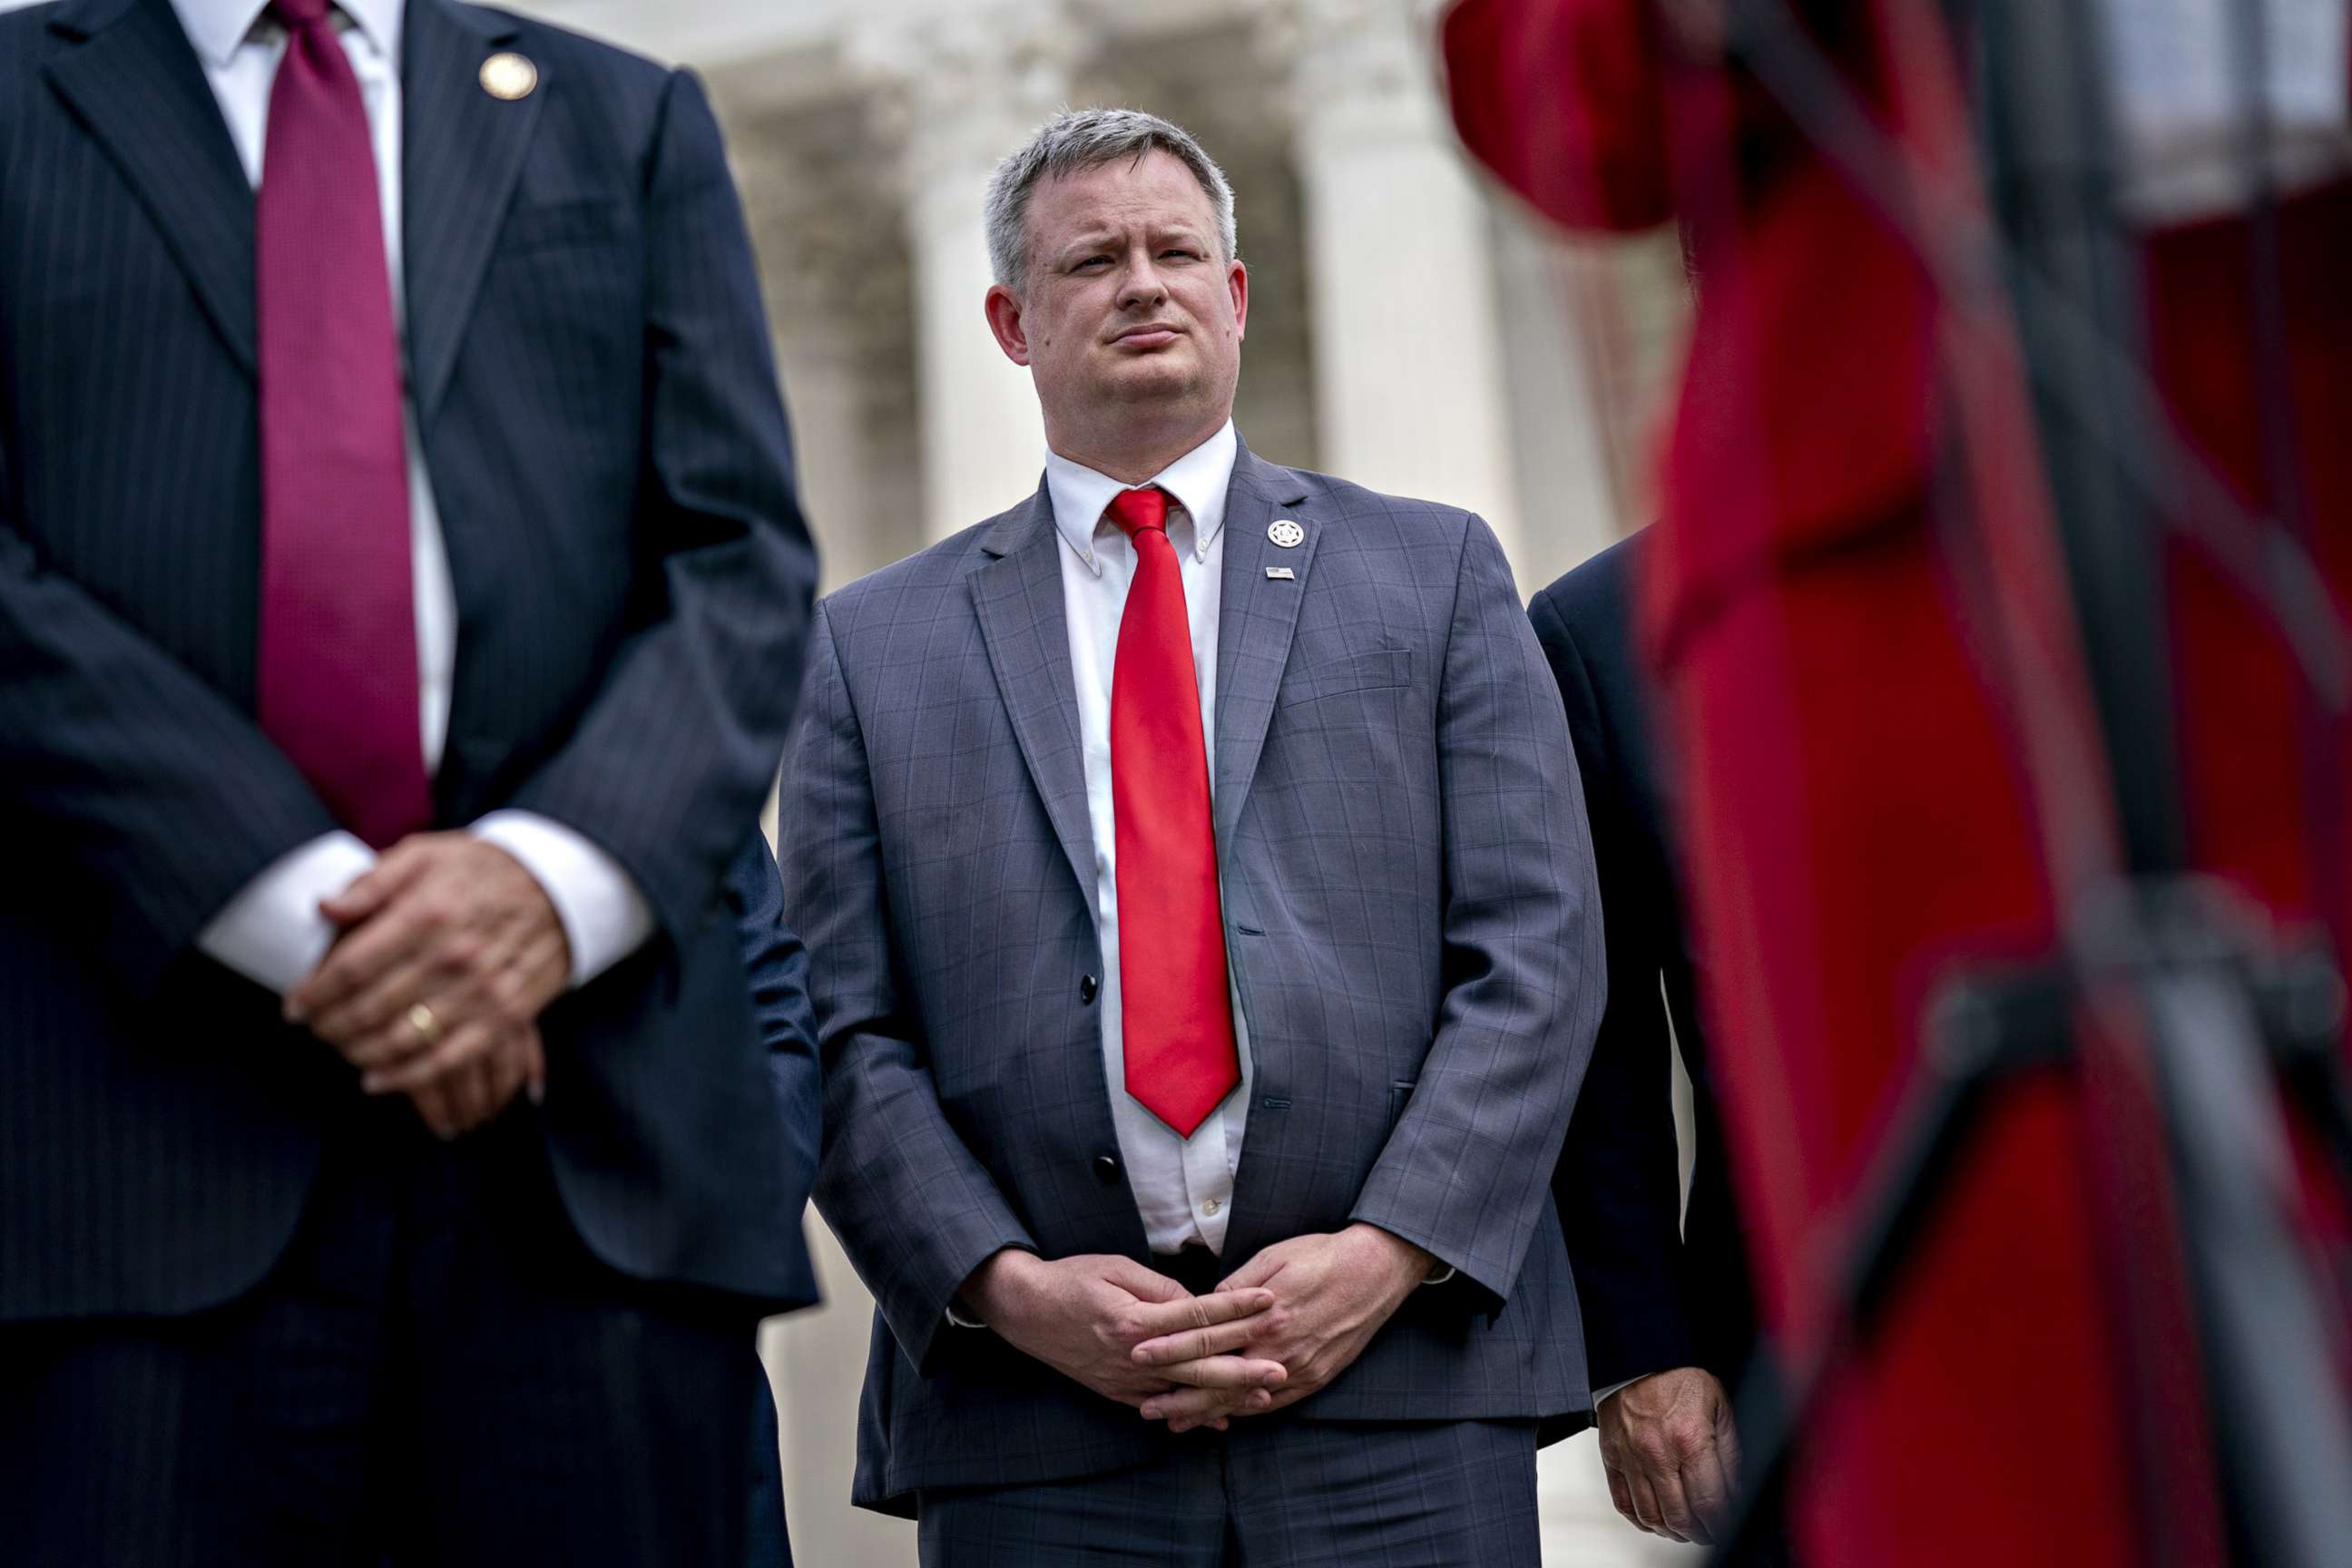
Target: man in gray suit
x,y
1204,953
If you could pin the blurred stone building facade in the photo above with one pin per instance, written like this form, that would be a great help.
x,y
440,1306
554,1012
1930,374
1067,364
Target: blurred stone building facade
x,y
1407,331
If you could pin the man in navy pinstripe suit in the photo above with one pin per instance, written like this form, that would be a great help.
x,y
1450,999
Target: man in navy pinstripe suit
x,y
401,597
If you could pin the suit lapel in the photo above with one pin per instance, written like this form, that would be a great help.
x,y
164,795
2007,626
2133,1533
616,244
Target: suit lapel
x,y
462,151
1255,619
1018,596
134,80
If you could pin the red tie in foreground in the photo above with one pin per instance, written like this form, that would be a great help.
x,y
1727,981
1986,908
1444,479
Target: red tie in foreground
x,y
337,680
1177,1017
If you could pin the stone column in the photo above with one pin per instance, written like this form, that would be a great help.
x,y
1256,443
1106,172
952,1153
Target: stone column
x,y
1407,361
958,92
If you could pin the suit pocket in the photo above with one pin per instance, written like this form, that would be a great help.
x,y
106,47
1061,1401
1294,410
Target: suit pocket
x,y
1380,668
544,225
1400,1092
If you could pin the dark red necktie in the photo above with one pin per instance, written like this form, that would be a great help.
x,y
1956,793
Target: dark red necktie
x,y
1177,1017
336,685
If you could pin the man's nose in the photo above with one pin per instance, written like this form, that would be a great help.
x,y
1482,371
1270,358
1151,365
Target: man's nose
x,y
1143,285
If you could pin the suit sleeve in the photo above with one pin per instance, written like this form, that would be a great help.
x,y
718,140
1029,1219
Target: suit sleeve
x,y
160,798
1561,100
1464,1173
1618,1186
914,1207
775,962
679,743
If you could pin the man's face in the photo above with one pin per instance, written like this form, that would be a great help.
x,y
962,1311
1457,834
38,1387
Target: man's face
x,y
1128,316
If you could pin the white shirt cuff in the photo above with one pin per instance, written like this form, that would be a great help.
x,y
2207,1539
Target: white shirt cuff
x,y
272,932
1600,1394
605,918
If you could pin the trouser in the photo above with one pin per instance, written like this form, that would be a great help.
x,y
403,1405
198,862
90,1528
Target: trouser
x,y
1281,1493
436,1372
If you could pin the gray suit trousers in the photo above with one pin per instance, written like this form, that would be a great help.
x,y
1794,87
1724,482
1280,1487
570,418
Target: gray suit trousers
x,y
1277,1492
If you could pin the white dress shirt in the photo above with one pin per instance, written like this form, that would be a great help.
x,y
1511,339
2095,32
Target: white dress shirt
x,y
272,931
1183,1186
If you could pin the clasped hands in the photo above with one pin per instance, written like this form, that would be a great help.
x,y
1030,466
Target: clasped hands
x,y
1278,1330
459,926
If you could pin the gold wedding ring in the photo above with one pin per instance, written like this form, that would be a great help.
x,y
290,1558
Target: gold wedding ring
x,y
427,1027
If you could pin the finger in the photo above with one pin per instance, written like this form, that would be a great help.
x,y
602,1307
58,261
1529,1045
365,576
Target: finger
x,y
1622,1494
1646,1511
1177,1318
393,874
1194,1343
470,1094
1726,1449
356,961
1647,1505
1227,1371
374,1019
461,1045
502,1072
1708,1491
432,1103
1192,1405
1673,1505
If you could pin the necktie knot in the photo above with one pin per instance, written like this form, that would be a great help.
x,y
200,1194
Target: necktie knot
x,y
296,15
1136,511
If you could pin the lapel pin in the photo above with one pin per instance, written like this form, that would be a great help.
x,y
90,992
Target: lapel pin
x,y
508,76
1287,534
1282,573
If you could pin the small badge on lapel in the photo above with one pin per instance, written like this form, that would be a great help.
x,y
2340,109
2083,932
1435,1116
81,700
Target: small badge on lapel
x,y
1282,574
1287,534
508,76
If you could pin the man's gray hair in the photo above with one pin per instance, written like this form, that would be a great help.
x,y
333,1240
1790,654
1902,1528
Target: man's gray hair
x,y
1080,139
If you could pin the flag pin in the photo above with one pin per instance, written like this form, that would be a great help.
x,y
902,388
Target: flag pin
x,y
1282,573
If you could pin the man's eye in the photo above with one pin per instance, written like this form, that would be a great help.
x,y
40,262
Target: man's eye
x,y
1181,255
1093,261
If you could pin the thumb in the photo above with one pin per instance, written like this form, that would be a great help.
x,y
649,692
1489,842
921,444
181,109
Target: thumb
x,y
1140,1282
1258,1270
373,889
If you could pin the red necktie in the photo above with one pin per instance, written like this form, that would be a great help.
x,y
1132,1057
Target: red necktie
x,y
1177,1017
337,678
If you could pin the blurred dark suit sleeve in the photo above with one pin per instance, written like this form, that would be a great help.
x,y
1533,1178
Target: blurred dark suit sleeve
x,y
776,961
1618,1184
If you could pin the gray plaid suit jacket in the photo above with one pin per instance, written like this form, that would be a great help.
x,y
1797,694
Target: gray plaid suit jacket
x,y
1409,914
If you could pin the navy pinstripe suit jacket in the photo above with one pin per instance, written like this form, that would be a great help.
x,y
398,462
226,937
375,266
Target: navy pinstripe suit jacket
x,y
1410,913
590,375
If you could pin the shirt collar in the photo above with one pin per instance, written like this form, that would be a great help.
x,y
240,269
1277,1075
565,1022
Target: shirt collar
x,y
217,28
1199,480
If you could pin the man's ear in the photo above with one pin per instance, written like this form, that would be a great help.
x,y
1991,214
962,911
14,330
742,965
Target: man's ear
x,y
1003,307
1237,280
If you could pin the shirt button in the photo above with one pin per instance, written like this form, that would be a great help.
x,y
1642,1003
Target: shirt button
x,y
1210,1208
1088,986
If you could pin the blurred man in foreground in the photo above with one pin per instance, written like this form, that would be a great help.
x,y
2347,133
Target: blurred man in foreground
x,y
401,594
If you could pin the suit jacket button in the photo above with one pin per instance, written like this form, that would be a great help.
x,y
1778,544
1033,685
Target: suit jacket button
x,y
1107,1170
1088,986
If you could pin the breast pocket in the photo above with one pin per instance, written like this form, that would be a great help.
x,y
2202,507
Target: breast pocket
x,y
1377,669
